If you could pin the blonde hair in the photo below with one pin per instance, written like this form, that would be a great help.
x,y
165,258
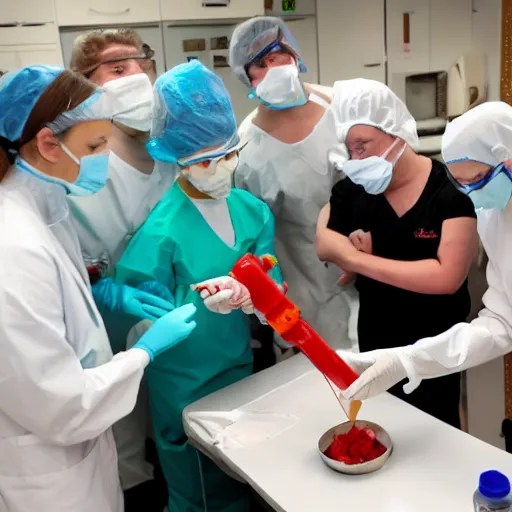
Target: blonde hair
x,y
88,47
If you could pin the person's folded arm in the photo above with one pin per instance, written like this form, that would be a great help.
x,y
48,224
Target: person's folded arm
x,y
440,276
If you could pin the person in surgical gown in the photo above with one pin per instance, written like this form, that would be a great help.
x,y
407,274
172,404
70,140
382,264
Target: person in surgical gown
x,y
118,60
285,165
477,148
60,387
196,233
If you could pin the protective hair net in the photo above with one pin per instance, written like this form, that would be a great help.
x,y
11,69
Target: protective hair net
x,y
192,112
252,37
483,134
371,103
19,92
103,104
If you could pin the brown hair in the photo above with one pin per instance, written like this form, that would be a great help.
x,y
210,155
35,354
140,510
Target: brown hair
x,y
88,47
66,92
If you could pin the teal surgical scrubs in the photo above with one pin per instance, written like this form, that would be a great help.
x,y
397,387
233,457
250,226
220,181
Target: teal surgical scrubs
x,y
177,247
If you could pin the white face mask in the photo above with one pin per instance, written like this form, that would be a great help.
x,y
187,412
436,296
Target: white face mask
x,y
375,172
281,88
135,96
217,186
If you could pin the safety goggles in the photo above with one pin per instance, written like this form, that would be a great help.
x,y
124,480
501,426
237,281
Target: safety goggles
x,y
259,60
470,187
143,60
206,164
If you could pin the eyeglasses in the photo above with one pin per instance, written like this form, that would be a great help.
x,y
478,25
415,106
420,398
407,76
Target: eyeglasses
x,y
206,165
142,58
470,187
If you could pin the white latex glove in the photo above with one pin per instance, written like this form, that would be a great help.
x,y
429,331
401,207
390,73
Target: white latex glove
x,y
379,370
224,294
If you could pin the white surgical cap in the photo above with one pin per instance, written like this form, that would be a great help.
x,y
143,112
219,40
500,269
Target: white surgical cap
x,y
371,103
482,134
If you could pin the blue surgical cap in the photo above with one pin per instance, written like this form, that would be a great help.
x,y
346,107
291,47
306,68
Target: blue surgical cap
x,y
253,37
21,90
192,112
19,93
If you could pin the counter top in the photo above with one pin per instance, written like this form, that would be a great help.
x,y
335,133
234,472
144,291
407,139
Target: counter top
x,y
433,466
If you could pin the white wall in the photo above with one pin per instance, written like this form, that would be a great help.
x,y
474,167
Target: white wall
x,y
486,36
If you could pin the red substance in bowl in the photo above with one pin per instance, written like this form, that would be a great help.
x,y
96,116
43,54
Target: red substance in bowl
x,y
355,447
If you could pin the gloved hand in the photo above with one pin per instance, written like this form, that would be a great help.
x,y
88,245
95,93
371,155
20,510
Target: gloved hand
x,y
168,331
379,370
224,294
133,301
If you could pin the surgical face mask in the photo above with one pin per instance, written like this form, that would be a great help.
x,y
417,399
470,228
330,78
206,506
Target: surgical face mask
x,y
218,184
92,174
495,193
375,172
134,94
281,88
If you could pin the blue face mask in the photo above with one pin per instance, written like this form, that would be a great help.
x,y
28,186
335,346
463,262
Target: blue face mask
x,y
92,174
493,192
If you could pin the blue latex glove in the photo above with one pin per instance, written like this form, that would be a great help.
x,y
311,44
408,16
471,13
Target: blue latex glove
x,y
168,331
133,301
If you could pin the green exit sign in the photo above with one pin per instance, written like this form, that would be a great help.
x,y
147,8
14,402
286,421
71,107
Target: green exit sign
x,y
288,5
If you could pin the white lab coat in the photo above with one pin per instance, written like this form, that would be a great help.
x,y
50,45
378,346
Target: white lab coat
x,y
105,223
57,452
296,182
490,334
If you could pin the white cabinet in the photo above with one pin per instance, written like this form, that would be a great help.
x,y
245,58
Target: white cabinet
x,y
177,10
24,46
450,32
351,40
408,36
426,35
27,11
101,12
150,34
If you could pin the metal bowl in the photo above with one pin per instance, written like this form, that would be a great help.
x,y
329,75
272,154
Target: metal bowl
x,y
355,469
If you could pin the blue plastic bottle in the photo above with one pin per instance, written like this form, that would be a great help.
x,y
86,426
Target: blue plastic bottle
x,y
493,493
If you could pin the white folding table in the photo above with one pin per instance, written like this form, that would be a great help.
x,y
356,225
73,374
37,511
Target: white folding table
x,y
434,467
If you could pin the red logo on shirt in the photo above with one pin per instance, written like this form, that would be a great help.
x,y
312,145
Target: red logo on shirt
x,y
423,233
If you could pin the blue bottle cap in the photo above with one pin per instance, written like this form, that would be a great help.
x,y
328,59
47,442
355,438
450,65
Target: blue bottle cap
x,y
494,485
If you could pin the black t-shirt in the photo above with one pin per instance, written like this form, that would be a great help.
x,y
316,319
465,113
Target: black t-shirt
x,y
390,316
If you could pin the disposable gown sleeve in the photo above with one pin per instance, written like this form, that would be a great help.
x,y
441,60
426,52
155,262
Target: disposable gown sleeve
x,y
148,257
43,387
265,243
465,345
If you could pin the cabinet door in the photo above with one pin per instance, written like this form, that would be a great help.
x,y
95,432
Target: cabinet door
x,y
174,10
100,12
25,46
27,11
408,36
450,32
351,40
16,57
150,34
